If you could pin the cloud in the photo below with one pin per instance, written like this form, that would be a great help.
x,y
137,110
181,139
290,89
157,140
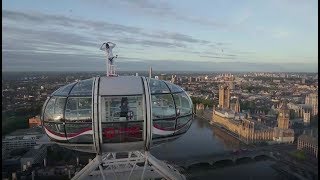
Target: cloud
x,y
84,32
274,32
179,37
243,17
60,62
148,5
161,9
222,56
42,36
151,43
13,61
280,34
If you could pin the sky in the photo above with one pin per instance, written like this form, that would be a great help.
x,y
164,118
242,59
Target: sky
x,y
200,35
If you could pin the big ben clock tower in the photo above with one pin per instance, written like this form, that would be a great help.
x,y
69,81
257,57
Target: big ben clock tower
x,y
283,117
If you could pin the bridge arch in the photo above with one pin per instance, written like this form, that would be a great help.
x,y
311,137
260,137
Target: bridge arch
x,y
227,159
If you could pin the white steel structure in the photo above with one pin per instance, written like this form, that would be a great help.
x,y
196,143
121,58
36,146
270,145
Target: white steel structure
x,y
136,165
113,115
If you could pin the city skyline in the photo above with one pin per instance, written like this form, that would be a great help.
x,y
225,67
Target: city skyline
x,y
277,36
248,122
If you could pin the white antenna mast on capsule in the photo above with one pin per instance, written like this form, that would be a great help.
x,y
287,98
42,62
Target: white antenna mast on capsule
x,y
107,47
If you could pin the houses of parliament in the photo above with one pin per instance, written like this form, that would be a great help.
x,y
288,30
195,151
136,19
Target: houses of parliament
x,y
228,115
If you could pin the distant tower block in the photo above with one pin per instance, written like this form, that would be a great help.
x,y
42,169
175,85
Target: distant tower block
x,y
150,72
224,97
213,112
306,117
231,85
237,106
312,99
283,117
45,162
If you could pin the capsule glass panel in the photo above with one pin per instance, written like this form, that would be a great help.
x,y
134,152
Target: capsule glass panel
x,y
183,103
64,91
54,109
174,88
49,110
79,109
184,128
78,117
67,115
119,132
79,133
122,118
158,87
56,131
182,121
171,110
165,125
82,88
162,106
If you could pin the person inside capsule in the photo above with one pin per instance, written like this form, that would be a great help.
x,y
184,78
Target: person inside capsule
x,y
124,109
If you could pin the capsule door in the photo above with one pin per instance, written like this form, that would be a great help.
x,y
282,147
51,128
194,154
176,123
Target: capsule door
x,y
122,122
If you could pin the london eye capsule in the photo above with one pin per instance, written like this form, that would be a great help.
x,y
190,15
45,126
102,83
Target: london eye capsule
x,y
116,113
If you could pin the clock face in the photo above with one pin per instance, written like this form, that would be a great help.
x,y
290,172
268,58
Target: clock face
x,y
287,115
280,114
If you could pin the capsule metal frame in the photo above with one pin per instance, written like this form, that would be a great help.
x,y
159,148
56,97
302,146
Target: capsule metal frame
x,y
166,111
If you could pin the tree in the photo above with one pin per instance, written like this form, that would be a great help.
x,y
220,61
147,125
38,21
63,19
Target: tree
x,y
300,155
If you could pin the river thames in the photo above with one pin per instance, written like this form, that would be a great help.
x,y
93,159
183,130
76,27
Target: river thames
x,y
203,139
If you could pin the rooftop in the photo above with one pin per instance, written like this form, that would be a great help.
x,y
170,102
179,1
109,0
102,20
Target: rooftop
x,y
259,126
305,106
